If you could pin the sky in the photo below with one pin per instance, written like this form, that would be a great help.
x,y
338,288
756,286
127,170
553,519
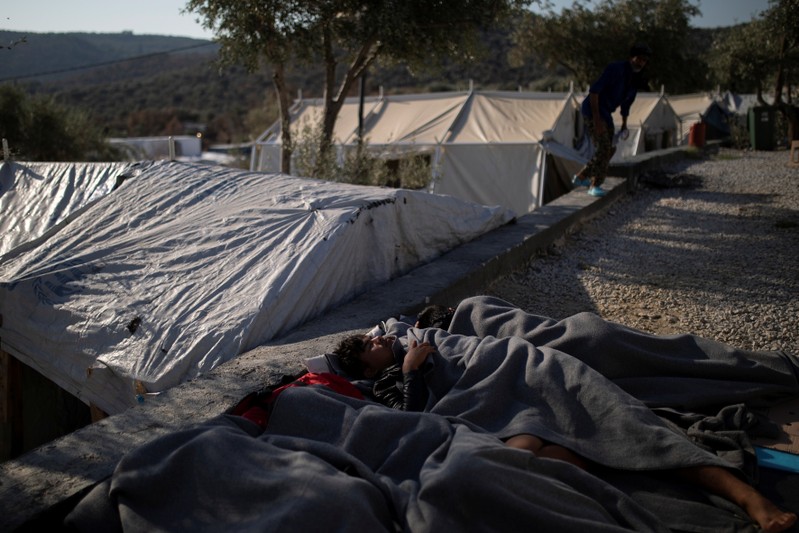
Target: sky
x,y
164,17
715,13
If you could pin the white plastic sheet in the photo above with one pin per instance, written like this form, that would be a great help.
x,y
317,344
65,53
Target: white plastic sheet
x,y
186,266
34,197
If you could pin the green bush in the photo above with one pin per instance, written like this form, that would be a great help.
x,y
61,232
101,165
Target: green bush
x,y
739,132
39,129
360,165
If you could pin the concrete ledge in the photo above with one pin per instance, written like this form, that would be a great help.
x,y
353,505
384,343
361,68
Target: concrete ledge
x,y
631,168
40,487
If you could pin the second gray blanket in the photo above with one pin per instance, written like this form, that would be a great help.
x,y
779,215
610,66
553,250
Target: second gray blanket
x,y
677,371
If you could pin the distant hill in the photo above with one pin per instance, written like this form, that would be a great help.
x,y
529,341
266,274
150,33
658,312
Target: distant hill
x,y
65,53
140,84
134,85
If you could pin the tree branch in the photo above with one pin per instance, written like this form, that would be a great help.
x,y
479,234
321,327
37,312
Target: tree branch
x,y
366,56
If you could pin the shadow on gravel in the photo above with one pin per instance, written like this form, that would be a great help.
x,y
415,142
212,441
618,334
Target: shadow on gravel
x,y
713,243
721,249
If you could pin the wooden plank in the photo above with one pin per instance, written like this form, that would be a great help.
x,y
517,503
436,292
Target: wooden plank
x,y
5,398
11,405
785,416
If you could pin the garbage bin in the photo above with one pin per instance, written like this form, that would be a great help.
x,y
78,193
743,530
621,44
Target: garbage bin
x,y
762,126
696,135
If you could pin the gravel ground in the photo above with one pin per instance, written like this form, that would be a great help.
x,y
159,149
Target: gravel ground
x,y
709,247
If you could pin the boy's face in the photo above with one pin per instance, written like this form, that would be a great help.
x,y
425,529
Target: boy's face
x,y
377,356
638,63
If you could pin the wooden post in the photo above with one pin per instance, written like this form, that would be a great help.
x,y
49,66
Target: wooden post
x,y
96,413
794,153
10,406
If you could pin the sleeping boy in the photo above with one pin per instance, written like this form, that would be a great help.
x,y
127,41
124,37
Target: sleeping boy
x,y
399,383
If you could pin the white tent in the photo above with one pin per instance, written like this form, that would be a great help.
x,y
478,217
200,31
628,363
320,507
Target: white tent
x,y
689,109
138,148
738,107
653,125
486,147
700,107
185,266
739,104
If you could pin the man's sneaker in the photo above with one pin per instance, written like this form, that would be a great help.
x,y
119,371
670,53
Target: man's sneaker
x,y
597,191
577,182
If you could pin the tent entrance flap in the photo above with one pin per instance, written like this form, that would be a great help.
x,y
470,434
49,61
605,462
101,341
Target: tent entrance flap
x,y
507,175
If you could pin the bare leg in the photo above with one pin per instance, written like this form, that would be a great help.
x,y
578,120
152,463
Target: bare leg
x,y
540,448
712,478
725,484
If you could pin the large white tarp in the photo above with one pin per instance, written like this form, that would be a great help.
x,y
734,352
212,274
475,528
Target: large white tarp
x,y
34,197
186,266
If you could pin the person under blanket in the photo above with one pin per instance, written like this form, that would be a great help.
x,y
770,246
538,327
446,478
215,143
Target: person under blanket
x,y
399,383
686,372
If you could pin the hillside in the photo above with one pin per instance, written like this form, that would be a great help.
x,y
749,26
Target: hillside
x,y
65,53
136,85
145,84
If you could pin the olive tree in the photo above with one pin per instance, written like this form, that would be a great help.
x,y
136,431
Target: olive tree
x,y
763,56
40,129
346,37
584,38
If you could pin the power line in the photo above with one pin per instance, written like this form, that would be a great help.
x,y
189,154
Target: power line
x,y
107,63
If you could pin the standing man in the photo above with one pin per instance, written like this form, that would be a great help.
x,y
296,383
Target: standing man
x,y
617,86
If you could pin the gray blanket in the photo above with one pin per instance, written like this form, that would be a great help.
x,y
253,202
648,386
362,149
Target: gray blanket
x,y
679,371
328,462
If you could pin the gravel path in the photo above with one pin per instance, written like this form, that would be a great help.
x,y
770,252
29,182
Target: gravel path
x,y
718,257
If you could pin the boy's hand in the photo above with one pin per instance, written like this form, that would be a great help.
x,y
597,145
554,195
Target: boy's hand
x,y
416,355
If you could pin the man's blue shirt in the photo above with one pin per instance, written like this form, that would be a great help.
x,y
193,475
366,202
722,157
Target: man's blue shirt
x,y
617,86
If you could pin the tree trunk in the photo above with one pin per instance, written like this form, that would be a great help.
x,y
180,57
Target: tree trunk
x,y
330,110
779,80
788,111
334,100
279,80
